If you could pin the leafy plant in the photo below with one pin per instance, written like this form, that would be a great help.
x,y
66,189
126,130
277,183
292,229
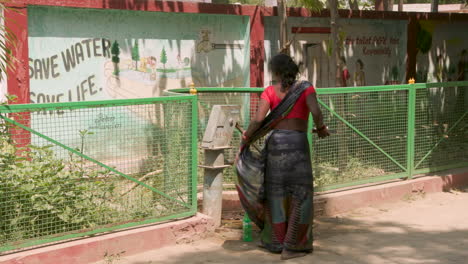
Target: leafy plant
x,y
163,58
41,194
326,173
395,73
424,41
7,59
136,53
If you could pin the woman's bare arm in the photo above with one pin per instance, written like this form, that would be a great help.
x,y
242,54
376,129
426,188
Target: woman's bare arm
x,y
313,105
262,111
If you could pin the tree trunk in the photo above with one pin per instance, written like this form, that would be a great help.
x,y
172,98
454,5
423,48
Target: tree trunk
x,y
335,41
388,5
339,100
400,5
379,5
283,16
435,6
383,5
353,5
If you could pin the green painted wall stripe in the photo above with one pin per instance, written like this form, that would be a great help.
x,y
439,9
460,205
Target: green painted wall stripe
x,y
15,108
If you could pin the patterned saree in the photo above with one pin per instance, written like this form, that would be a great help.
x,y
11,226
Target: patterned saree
x,y
275,185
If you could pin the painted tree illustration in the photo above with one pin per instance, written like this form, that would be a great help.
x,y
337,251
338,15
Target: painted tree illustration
x,y
395,73
163,58
136,54
115,51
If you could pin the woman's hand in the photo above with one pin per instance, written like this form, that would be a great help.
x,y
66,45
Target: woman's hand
x,y
242,146
322,132
244,137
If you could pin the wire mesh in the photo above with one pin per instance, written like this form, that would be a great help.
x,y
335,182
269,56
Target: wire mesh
x,y
370,139
91,166
206,100
441,135
49,191
381,116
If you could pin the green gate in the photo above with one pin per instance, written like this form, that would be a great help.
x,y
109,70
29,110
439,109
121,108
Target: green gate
x,y
69,170
382,132
373,126
441,130
391,132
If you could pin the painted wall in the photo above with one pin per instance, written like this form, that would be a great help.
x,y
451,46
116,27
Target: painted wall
x,y
374,50
90,54
442,56
87,54
3,80
442,52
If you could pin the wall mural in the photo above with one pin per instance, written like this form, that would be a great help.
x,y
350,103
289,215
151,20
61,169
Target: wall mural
x,y
87,54
373,50
442,52
103,54
442,56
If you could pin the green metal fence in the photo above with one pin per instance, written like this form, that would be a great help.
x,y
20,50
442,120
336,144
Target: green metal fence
x,y
247,98
69,170
382,132
441,115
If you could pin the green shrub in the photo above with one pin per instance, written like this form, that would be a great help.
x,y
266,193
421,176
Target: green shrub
x,y
41,194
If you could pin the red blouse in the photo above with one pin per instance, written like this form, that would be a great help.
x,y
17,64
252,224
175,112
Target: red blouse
x,y
300,109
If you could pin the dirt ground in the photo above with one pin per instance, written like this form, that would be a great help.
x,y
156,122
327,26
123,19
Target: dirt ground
x,y
421,228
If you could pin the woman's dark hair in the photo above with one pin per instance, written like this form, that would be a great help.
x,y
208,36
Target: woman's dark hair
x,y
359,61
283,66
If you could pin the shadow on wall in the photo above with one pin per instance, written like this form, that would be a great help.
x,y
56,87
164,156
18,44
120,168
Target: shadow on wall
x,y
205,69
441,111
218,67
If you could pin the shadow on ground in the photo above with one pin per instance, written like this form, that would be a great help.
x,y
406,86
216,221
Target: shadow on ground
x,y
344,240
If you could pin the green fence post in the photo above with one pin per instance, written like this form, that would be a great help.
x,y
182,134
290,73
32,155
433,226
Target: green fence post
x,y
194,150
411,130
310,127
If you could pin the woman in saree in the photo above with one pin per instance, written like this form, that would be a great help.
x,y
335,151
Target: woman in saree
x,y
284,213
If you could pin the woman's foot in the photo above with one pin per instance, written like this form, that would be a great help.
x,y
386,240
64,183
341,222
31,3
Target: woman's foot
x,y
269,249
286,254
260,244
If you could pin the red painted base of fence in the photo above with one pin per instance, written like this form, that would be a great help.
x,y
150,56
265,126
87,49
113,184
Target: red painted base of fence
x,y
152,237
123,243
341,201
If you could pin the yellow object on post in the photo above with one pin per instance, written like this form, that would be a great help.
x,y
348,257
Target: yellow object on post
x,y
192,90
411,81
